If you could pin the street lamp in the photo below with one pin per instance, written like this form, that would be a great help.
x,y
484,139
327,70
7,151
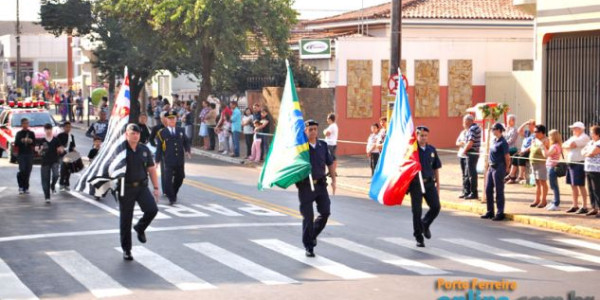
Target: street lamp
x,y
18,38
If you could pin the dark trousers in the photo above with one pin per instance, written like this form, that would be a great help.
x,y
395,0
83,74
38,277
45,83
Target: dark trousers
x,y
249,140
465,176
495,180
211,137
235,139
311,228
174,176
266,140
374,158
470,174
144,198
416,199
25,166
65,175
47,181
593,181
162,177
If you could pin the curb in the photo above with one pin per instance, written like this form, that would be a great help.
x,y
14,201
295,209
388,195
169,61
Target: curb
x,y
472,207
209,154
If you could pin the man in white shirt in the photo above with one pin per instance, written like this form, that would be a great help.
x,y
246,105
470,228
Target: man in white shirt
x,y
331,137
576,172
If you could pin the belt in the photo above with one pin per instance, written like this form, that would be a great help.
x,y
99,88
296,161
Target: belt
x,y
135,184
322,180
428,180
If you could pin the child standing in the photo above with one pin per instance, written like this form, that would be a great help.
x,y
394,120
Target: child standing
x,y
50,149
256,144
372,149
226,134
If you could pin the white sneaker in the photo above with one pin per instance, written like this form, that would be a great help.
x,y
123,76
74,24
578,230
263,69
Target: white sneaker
x,y
552,207
224,153
48,200
21,192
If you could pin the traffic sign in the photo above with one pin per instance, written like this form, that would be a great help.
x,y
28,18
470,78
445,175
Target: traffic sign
x,y
392,84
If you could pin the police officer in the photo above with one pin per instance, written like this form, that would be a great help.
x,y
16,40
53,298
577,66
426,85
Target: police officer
x,y
99,128
153,141
139,165
430,165
172,145
319,158
499,164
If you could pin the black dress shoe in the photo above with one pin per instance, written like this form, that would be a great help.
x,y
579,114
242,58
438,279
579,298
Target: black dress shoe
x,y
127,256
462,196
420,242
309,253
487,216
498,217
426,232
471,197
140,234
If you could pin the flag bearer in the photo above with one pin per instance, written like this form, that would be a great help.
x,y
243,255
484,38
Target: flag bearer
x,y
172,146
139,165
430,165
320,157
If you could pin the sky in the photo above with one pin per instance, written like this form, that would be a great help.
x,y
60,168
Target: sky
x,y
308,9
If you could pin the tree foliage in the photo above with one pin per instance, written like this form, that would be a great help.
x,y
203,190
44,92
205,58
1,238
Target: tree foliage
x,y
73,17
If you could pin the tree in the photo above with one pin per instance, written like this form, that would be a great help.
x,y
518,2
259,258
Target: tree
x,y
205,34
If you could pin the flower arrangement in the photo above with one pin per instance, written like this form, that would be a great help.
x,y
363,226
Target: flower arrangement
x,y
494,112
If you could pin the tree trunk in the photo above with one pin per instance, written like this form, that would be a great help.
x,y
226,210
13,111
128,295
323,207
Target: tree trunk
x,y
208,57
111,90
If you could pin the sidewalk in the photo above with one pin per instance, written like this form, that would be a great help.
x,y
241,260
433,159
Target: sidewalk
x,y
354,175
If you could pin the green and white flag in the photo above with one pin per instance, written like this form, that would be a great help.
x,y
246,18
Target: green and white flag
x,y
288,160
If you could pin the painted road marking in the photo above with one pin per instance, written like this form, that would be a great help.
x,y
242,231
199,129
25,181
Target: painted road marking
x,y
555,250
580,243
240,264
518,256
95,203
407,264
475,262
97,282
2,189
150,229
169,271
319,262
12,287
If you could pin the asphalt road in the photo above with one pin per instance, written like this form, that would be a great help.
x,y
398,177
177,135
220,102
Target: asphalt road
x,y
226,240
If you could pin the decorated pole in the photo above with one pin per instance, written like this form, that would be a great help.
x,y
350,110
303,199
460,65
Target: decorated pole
x,y
490,112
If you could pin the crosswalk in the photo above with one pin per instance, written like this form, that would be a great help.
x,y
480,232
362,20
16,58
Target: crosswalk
x,y
342,258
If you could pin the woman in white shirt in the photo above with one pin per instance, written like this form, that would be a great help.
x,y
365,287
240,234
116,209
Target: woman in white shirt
x,y
331,137
372,149
248,129
591,152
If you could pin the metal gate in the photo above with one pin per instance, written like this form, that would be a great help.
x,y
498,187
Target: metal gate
x,y
572,80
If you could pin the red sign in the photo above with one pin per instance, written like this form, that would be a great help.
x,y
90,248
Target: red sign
x,y
393,83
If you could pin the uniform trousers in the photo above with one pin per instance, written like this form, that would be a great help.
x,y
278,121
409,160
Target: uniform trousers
x,y
416,199
174,176
144,198
495,179
311,227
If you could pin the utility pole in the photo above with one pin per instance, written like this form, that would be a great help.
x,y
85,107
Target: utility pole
x,y
18,38
396,37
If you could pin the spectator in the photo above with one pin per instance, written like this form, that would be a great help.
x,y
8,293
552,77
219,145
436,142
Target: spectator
x,y
248,129
157,111
461,141
225,134
471,150
372,149
552,157
211,122
331,137
256,143
382,132
511,135
538,164
576,172
520,159
236,128
203,132
256,111
145,131
188,120
499,160
592,168
265,129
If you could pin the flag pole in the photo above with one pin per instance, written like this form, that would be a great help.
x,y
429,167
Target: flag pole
x,y
312,185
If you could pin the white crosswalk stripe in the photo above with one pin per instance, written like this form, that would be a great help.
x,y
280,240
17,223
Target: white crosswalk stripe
x,y
100,284
319,262
240,264
474,262
169,271
555,250
11,286
580,243
518,256
407,264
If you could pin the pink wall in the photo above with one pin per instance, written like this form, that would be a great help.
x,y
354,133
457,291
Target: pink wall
x,y
444,129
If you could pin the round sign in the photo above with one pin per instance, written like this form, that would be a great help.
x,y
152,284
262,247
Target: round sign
x,y
27,78
392,84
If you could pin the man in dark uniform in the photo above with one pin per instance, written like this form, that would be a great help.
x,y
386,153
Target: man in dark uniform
x,y
430,165
172,146
152,139
25,142
67,141
319,158
139,165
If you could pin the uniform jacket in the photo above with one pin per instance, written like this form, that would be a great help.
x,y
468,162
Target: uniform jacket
x,y
170,148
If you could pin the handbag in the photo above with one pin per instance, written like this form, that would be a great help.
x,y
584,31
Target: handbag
x,y
561,168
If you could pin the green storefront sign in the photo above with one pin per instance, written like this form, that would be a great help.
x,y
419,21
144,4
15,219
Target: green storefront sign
x,y
315,48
